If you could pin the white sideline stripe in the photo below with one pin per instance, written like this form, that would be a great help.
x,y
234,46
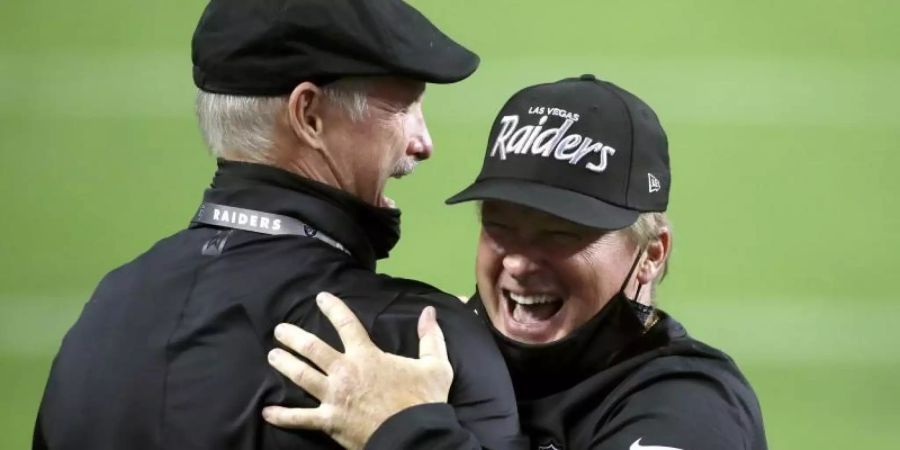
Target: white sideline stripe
x,y
743,91
753,332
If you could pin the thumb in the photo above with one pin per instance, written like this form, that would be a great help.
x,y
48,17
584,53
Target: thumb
x,y
431,338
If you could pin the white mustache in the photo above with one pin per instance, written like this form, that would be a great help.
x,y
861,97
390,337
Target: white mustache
x,y
404,167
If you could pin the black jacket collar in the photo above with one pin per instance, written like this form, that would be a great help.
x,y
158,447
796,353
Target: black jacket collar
x,y
368,232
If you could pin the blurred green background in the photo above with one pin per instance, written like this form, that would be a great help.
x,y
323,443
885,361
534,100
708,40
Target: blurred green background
x,y
783,121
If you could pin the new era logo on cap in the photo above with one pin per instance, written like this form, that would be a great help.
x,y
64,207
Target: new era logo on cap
x,y
581,149
653,183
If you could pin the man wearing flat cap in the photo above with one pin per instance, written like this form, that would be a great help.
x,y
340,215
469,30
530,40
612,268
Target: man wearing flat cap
x,y
310,107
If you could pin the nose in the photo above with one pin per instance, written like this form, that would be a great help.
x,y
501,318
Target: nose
x,y
519,265
420,146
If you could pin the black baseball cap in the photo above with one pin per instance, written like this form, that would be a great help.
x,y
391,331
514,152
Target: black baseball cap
x,y
268,47
582,149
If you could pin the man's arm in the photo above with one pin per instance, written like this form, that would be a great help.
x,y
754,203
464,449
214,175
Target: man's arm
x,y
482,411
428,427
365,388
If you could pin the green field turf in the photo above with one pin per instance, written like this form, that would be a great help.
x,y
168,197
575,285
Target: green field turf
x,y
784,126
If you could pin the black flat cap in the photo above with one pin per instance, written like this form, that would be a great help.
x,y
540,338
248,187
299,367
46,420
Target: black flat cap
x,y
268,47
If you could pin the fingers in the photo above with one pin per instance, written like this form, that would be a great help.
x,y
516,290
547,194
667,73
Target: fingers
x,y
301,418
307,345
431,338
300,373
352,333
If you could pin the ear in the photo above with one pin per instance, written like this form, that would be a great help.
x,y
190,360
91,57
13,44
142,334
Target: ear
x,y
656,255
305,109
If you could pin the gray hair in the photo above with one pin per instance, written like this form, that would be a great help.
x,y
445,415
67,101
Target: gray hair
x,y
642,232
242,127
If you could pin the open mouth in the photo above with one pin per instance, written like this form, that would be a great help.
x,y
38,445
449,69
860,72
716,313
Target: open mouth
x,y
387,202
531,309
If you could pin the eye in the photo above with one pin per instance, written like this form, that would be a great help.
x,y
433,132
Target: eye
x,y
494,226
404,107
564,237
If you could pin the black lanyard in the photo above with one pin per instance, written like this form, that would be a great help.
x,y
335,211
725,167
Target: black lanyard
x,y
259,222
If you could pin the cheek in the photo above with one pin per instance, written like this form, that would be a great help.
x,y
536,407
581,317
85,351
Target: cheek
x,y
393,144
592,280
586,284
358,142
488,265
380,139
339,140
398,131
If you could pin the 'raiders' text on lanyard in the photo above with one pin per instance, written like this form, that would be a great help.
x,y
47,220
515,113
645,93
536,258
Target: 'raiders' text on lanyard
x,y
259,222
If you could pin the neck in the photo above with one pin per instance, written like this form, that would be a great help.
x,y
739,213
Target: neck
x,y
645,296
319,165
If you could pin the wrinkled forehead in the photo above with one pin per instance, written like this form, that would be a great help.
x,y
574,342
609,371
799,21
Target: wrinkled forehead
x,y
395,89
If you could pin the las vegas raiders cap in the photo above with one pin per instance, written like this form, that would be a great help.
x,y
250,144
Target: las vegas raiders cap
x,y
582,149
268,47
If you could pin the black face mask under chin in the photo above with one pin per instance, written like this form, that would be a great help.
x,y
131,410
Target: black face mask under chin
x,y
540,369
645,313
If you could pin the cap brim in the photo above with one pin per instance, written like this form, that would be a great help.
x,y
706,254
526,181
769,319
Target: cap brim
x,y
450,66
569,205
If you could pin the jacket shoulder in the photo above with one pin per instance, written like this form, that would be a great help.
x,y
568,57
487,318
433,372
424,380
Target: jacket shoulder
x,y
689,360
412,296
690,387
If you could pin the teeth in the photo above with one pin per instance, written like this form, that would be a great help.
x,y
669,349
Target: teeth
x,y
531,299
388,202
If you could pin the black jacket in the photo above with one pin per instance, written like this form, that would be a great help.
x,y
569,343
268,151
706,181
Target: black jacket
x,y
170,352
610,385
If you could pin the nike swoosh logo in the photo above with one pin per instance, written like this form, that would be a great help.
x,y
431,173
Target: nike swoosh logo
x,y
636,445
